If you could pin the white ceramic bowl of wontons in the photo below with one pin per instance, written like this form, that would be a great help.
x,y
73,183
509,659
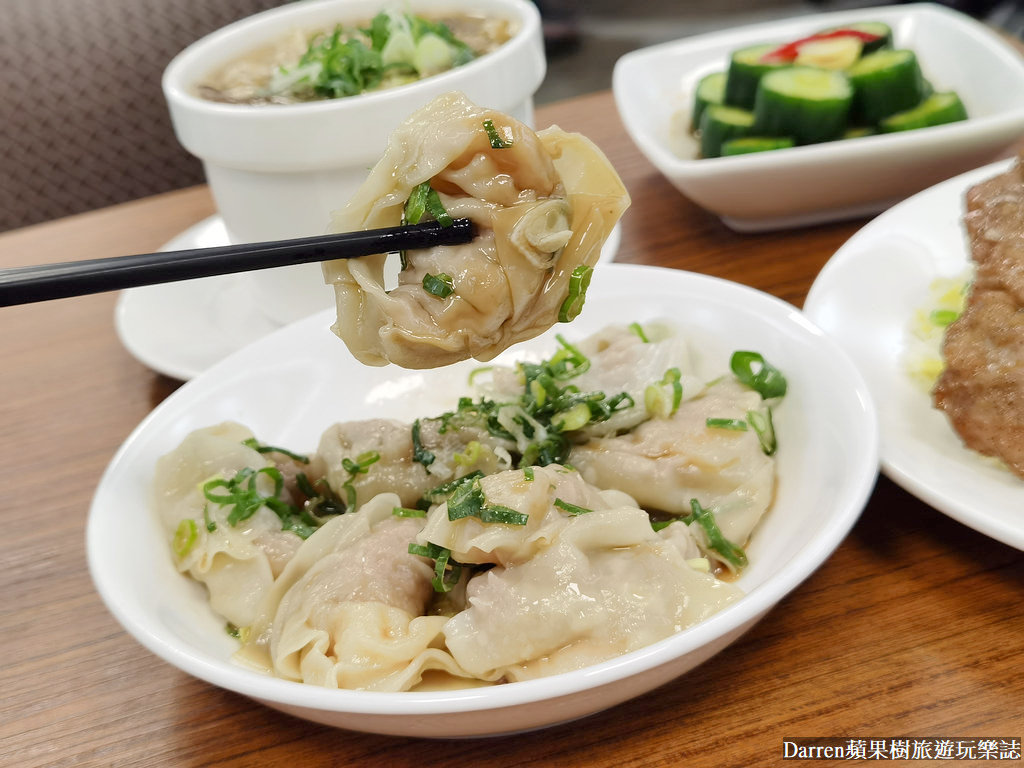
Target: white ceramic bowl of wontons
x,y
278,170
654,91
290,386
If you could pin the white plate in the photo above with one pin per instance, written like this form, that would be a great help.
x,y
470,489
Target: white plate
x,y
654,89
865,297
291,385
181,329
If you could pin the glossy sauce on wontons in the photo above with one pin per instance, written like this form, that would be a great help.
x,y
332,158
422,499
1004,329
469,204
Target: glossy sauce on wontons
x,y
543,205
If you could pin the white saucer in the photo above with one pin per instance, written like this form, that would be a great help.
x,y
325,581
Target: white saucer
x,y
181,329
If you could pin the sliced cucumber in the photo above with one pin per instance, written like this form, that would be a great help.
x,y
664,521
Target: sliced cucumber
x,y
720,123
745,71
885,82
882,31
749,144
859,131
710,90
806,103
830,53
937,109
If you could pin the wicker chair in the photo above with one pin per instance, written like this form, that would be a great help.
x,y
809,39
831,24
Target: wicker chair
x,y
83,122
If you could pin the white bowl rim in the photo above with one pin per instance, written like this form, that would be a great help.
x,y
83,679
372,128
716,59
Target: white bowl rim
x,y
735,617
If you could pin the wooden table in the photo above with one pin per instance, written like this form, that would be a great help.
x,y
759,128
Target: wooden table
x,y
912,628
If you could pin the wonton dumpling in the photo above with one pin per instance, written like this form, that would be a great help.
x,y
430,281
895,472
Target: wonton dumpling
x,y
348,610
476,542
664,463
396,470
236,563
607,585
542,206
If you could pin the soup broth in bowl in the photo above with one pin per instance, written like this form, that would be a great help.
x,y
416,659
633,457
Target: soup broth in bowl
x,y
391,49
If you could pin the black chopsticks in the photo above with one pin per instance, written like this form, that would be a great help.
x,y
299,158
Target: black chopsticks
x,y
23,285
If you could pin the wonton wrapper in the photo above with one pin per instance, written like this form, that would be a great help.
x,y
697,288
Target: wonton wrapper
x,y
607,585
542,207
237,563
348,610
664,463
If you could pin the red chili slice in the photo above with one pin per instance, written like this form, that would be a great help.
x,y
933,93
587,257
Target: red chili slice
x,y
789,51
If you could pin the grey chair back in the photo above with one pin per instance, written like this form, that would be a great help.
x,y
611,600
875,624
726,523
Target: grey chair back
x,y
83,122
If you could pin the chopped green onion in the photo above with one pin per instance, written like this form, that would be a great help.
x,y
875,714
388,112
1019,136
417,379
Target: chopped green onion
x,y
362,463
764,426
579,281
425,550
528,473
360,466
716,540
467,501
416,205
319,503
671,379
572,509
420,454
210,524
477,371
241,493
658,525
253,443
304,485
185,537
548,404
639,331
445,577
407,512
539,390
495,513
350,61
660,403
492,136
338,66
739,425
452,485
553,450
568,362
471,456
239,633
576,417
436,209
751,369
943,317
440,285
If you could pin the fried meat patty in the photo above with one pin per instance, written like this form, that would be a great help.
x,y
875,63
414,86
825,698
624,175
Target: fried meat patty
x,y
981,389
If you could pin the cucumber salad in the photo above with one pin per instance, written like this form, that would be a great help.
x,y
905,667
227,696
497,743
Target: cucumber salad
x,y
838,83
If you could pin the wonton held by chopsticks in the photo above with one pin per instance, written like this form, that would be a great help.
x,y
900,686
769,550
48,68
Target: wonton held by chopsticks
x,y
543,203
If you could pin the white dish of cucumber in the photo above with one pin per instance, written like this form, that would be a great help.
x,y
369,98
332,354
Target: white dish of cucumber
x,y
825,116
866,298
